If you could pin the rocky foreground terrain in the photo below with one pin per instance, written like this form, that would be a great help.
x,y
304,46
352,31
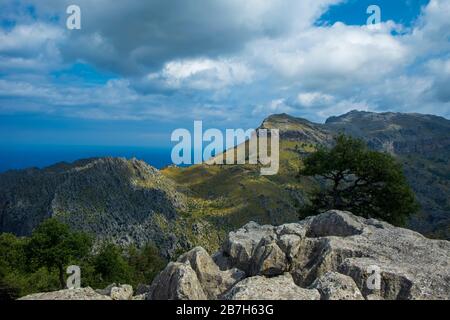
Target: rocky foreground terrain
x,y
330,256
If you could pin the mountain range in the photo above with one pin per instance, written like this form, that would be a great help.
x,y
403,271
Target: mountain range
x,y
129,201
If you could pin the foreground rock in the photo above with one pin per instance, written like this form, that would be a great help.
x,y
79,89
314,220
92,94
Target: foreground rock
x,y
334,255
117,292
336,286
277,288
68,294
194,276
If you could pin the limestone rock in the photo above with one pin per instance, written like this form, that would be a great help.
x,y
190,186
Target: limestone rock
x,y
335,223
240,245
68,294
268,259
142,289
278,288
213,281
334,255
336,286
178,281
410,265
107,290
123,292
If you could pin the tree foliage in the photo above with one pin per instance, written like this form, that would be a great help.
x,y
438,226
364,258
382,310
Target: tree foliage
x,y
53,245
365,182
34,264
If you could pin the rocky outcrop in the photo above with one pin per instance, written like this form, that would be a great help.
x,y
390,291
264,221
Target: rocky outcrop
x,y
117,292
194,276
213,281
331,256
336,286
276,288
334,255
68,294
178,281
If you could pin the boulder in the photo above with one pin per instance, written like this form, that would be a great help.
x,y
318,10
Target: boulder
x,y
277,288
336,286
334,223
240,245
178,281
123,292
268,259
213,280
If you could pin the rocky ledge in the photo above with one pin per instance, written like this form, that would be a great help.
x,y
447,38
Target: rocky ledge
x,y
334,255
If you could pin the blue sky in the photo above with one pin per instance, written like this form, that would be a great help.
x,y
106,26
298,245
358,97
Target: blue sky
x,y
139,69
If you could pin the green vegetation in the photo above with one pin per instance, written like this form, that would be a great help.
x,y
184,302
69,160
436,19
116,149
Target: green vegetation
x,y
53,245
38,263
356,179
222,198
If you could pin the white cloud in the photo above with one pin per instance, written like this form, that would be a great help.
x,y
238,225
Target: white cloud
x,y
311,99
30,47
226,58
203,74
334,56
273,107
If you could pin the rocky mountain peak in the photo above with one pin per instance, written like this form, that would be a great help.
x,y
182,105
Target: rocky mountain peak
x,y
112,198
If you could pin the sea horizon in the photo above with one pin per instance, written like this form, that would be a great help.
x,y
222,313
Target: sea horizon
x,y
19,157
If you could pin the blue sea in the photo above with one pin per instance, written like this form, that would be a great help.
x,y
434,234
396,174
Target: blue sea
x,y
23,156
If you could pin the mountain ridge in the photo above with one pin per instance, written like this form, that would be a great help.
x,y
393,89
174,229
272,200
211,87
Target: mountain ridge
x,y
128,201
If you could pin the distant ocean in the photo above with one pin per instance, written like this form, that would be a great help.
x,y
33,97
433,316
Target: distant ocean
x,y
20,157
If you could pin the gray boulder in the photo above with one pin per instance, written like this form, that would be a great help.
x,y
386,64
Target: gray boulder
x,y
240,245
178,281
335,223
336,286
213,281
268,259
277,288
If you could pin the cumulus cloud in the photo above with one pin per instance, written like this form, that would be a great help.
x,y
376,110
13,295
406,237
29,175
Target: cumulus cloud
x,y
225,60
31,46
202,74
141,36
342,52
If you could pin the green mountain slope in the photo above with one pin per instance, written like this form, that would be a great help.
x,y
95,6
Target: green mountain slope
x,y
239,194
128,201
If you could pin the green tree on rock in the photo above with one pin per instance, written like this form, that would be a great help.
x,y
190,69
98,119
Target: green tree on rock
x,y
53,245
365,182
